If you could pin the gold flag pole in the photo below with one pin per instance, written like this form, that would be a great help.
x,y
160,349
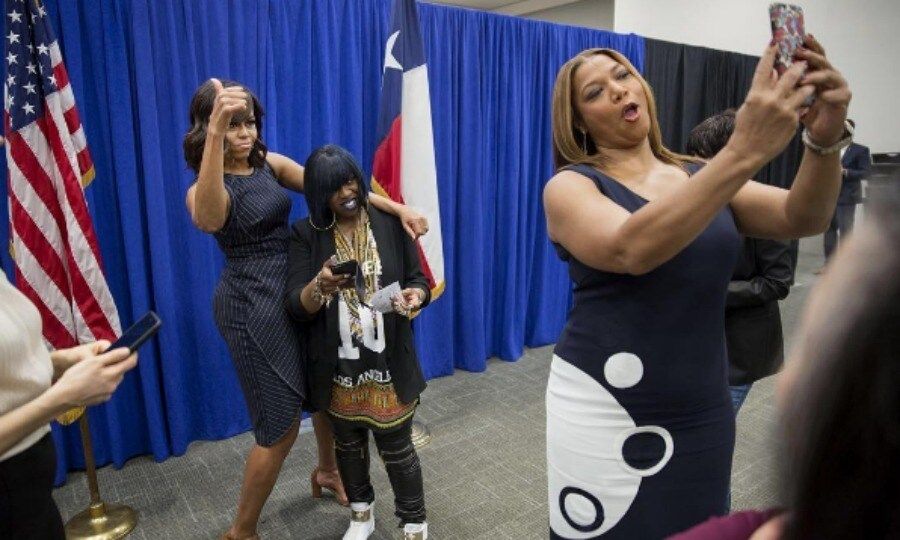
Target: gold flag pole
x,y
100,521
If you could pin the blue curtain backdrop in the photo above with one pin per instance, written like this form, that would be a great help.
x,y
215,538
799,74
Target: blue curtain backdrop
x,y
316,66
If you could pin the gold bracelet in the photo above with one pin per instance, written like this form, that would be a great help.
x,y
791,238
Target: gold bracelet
x,y
317,295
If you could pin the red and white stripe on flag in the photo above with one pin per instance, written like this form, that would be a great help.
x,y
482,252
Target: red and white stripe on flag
x,y
58,265
404,165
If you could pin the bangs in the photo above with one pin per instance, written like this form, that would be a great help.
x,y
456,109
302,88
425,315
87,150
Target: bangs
x,y
327,169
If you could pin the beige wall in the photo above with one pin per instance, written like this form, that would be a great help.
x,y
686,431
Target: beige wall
x,y
862,39
589,13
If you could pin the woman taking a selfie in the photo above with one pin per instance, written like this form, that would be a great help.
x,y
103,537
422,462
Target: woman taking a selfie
x,y
640,424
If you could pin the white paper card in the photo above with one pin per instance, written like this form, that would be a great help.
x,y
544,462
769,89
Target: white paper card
x,y
382,300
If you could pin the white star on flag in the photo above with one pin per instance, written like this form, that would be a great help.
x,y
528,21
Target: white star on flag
x,y
29,108
43,49
390,61
11,59
15,16
29,87
13,37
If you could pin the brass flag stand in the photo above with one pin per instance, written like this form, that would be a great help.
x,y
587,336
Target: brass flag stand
x,y
100,521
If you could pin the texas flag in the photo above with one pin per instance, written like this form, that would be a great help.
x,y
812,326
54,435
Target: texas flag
x,y
404,168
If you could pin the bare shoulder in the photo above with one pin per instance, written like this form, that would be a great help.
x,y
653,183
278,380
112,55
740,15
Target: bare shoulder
x,y
276,160
568,186
189,197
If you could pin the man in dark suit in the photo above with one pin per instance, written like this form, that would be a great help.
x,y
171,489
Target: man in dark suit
x,y
763,276
855,163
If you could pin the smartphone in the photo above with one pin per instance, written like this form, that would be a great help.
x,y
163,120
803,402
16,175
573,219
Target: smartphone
x,y
138,333
788,33
347,267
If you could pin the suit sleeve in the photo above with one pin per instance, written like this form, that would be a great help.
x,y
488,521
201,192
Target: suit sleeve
x,y
773,280
300,269
859,167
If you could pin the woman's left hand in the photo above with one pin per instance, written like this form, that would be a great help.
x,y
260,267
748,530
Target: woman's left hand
x,y
825,118
409,300
413,222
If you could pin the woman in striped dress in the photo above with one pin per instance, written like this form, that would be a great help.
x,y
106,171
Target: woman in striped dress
x,y
239,197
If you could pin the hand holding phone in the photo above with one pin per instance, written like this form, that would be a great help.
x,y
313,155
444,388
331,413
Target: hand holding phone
x,y
348,268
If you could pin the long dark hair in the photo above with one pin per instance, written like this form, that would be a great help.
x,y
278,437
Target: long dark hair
x,y
842,418
327,169
198,117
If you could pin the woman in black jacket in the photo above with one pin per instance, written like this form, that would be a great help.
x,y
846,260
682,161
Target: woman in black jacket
x,y
362,366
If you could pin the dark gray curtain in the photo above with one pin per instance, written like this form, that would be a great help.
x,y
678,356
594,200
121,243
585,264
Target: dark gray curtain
x,y
693,83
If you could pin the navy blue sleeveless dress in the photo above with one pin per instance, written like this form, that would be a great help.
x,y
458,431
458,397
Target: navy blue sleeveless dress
x,y
640,426
249,303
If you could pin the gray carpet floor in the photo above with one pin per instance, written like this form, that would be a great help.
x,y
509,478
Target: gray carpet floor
x,y
484,471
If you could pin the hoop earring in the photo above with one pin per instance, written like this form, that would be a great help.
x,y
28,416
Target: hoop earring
x,y
313,225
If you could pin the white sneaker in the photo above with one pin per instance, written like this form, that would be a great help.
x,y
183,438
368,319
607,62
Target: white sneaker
x,y
415,531
362,522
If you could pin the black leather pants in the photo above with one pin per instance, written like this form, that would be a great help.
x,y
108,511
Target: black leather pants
x,y
351,445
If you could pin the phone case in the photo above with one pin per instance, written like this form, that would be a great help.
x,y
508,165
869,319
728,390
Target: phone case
x,y
787,32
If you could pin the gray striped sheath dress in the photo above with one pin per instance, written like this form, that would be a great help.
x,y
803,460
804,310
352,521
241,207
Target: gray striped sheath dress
x,y
248,303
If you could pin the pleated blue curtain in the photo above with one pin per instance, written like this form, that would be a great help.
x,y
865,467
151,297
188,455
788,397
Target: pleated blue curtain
x,y
316,66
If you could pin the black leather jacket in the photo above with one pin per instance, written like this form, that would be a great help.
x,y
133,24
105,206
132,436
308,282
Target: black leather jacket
x,y
763,276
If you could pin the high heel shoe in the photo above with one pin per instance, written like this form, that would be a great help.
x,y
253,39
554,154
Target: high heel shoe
x,y
330,481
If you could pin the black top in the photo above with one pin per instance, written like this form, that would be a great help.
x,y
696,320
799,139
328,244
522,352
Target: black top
x,y
308,251
763,276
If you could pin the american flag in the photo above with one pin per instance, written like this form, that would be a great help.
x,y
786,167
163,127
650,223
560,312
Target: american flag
x,y
58,264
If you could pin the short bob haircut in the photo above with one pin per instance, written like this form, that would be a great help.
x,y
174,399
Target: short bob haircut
x,y
327,169
710,136
198,117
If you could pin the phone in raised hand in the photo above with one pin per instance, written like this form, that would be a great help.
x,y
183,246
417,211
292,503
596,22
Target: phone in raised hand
x,y
788,33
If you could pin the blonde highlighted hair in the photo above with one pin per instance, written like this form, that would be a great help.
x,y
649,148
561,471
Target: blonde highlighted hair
x,y
571,145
